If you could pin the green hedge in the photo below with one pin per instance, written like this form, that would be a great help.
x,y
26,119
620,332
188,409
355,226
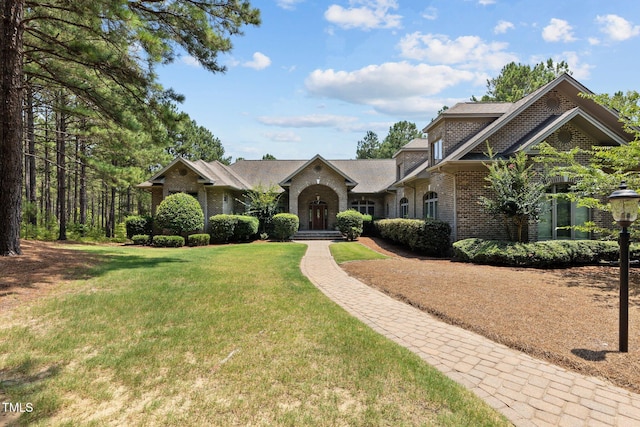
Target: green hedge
x,y
198,239
350,223
233,228
550,253
138,225
141,239
430,237
221,227
168,241
246,228
285,225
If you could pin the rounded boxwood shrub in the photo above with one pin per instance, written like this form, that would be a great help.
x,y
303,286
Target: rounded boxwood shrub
x,y
221,227
350,224
285,225
141,239
246,227
168,241
180,213
138,225
198,239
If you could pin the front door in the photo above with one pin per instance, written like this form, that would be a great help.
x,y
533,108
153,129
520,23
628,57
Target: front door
x,y
318,216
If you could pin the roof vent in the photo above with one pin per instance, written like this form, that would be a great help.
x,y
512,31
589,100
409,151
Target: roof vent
x,y
553,103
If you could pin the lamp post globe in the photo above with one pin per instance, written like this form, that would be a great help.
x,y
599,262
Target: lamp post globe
x,y
624,208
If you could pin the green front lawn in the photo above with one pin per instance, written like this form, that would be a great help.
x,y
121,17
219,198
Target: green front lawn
x,y
353,251
225,335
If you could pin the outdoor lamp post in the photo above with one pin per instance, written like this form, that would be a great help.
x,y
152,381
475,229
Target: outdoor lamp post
x,y
624,208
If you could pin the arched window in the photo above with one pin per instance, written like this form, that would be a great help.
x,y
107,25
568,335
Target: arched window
x,y
404,208
365,207
559,221
431,205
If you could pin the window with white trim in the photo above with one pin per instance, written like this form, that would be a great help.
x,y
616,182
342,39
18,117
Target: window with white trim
x,y
559,221
366,207
437,151
431,205
404,208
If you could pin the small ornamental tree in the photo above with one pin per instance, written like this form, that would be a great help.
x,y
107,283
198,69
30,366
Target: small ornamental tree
x,y
180,213
262,202
519,193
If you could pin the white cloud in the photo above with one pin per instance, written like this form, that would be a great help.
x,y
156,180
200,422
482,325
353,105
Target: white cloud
x,y
364,14
190,61
502,27
288,4
260,62
558,30
430,13
394,87
581,71
467,51
486,2
310,121
283,136
617,28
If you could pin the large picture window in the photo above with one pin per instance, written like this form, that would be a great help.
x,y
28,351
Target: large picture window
x,y
431,205
366,207
563,215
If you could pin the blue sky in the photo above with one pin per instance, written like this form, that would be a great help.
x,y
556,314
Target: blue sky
x,y
315,76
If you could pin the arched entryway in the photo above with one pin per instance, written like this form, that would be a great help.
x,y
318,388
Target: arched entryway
x,y
317,208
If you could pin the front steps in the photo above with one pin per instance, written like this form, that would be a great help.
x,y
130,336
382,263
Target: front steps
x,y
318,235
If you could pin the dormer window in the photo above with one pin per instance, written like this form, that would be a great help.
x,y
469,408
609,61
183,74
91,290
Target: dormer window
x,y
437,151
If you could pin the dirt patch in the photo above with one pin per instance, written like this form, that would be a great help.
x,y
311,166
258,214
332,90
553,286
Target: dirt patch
x,y
567,316
42,267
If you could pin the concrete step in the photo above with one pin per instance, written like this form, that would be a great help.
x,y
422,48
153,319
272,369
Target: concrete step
x,y
318,235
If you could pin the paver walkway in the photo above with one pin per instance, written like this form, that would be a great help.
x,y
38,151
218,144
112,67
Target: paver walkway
x,y
529,392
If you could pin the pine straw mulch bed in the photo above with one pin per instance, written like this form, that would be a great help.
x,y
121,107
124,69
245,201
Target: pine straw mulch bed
x,y
566,316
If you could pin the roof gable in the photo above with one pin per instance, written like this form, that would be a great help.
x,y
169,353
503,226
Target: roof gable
x,y
348,180
567,83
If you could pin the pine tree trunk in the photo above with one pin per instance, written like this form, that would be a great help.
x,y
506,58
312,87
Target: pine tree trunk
x,y
83,183
31,160
61,178
11,96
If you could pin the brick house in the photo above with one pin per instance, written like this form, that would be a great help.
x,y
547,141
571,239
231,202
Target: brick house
x,y
441,176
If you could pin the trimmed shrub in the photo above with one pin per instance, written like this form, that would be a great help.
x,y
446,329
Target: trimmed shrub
x,y
180,213
550,253
221,227
350,224
168,241
141,239
136,224
430,237
198,239
285,225
246,228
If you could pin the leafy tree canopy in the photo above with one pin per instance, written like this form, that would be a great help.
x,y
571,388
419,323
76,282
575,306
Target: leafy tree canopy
x,y
399,135
518,80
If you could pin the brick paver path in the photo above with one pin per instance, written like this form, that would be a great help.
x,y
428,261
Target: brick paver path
x,y
529,392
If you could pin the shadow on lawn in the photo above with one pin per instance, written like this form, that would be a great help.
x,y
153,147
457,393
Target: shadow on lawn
x,y
45,263
16,386
602,279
